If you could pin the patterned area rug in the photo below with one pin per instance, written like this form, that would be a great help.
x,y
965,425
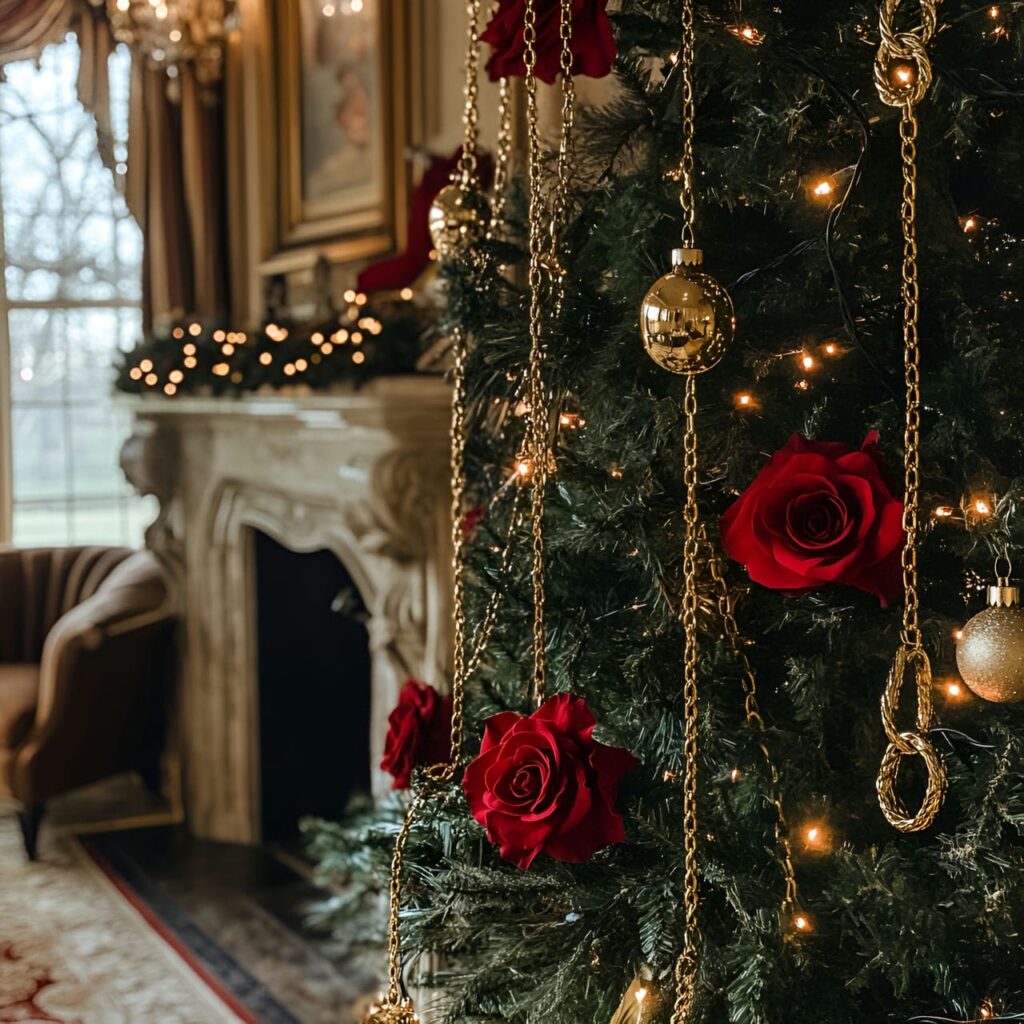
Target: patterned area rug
x,y
75,950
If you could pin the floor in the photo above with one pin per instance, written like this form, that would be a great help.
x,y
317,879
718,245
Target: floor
x,y
250,907
245,912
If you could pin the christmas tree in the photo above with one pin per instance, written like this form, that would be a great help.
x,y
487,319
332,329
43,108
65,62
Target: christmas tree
x,y
797,193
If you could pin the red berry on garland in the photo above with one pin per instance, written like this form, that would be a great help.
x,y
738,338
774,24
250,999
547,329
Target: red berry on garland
x,y
593,46
419,732
542,784
820,512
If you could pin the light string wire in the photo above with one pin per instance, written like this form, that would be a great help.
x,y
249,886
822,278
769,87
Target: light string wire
x,y
902,75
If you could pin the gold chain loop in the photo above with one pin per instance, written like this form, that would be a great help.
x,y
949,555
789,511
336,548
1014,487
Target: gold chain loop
x,y
903,71
902,76
560,200
686,965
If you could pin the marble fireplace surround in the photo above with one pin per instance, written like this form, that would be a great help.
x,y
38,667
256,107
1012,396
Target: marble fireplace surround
x,y
364,475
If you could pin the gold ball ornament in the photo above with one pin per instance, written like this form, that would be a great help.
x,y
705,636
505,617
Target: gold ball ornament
x,y
686,318
386,1012
459,219
990,651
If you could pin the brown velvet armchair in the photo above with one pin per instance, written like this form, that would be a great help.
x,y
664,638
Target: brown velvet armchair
x,y
86,642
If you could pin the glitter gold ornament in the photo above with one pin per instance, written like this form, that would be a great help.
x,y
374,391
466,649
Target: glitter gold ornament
x,y
460,218
686,319
388,1012
990,651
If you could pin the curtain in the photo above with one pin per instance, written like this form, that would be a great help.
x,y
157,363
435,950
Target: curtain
x,y
28,26
175,190
175,181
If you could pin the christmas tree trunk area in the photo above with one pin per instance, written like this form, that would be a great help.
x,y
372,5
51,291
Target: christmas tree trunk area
x,y
798,199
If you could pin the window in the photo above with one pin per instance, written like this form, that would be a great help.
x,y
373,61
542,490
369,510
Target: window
x,y
72,262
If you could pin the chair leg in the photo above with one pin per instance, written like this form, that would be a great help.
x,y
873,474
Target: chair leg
x,y
30,818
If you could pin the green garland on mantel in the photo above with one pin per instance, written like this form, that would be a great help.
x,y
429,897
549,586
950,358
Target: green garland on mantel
x,y
350,348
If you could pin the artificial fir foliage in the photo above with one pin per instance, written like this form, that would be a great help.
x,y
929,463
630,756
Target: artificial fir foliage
x,y
798,185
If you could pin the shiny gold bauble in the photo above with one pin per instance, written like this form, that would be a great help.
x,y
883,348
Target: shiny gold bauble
x,y
459,219
686,319
392,1013
990,651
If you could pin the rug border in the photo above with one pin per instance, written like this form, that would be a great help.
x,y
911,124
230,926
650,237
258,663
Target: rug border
x,y
96,860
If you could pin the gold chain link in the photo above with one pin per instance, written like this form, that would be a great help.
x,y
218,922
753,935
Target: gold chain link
x,y
502,153
727,613
467,170
539,421
686,965
560,201
903,85
685,173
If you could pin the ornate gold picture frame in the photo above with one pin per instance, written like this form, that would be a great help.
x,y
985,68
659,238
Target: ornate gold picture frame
x,y
343,84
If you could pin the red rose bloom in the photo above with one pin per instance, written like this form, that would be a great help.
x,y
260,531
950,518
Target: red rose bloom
x,y
419,732
542,784
593,47
819,512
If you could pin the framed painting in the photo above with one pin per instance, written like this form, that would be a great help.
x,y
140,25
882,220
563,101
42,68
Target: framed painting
x,y
343,74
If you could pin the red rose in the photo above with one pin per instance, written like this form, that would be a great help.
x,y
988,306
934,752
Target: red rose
x,y
593,47
419,732
819,512
541,784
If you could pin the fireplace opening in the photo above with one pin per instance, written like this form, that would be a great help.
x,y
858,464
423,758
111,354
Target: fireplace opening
x,y
313,658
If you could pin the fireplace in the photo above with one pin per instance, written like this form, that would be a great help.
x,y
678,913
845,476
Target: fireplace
x,y
326,515
313,663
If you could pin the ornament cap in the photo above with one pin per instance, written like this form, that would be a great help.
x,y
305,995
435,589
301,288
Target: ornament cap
x,y
686,257
1002,595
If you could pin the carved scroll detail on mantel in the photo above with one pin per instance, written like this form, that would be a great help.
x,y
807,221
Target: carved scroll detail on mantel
x,y
364,478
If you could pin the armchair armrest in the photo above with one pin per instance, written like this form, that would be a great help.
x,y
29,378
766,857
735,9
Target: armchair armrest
x,y
102,681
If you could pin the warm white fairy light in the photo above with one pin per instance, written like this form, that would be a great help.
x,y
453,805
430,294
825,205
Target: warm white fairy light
x,y
219,336
220,369
266,358
301,365
189,349
190,362
802,923
943,511
358,357
744,400
195,329
135,373
228,349
175,376
151,379
807,361
146,365
406,294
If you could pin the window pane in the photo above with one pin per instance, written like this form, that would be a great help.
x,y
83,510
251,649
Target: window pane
x,y
40,453
66,226
67,236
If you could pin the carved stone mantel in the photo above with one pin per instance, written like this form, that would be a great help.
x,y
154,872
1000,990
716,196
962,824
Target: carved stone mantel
x,y
364,475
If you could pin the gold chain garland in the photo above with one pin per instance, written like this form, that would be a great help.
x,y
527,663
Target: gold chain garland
x,y
467,169
686,964
502,153
751,706
902,76
686,59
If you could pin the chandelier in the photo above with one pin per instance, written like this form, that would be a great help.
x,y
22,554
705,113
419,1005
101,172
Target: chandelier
x,y
174,32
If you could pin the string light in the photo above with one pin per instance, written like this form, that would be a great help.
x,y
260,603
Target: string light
x,y
135,373
748,34
802,923
327,348
970,224
734,775
316,338
169,389
614,472
807,361
954,689
146,365
151,379
301,365
406,294
189,349
823,188
358,357
744,400
176,376
266,358
219,336
641,995
802,385
178,332
289,369
190,362
195,329
958,635
902,75
994,12
228,349
943,512
221,369
571,420
524,467
830,348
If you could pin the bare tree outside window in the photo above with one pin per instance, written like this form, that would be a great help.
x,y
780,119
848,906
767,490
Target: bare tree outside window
x,y
72,272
